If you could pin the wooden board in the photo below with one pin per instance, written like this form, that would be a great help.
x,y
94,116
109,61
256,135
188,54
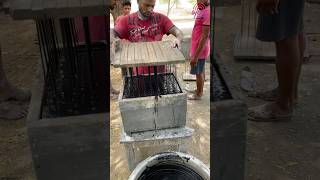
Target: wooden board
x,y
246,45
21,8
314,1
251,48
314,44
34,9
147,53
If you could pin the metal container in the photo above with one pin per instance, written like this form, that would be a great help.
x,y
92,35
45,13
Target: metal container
x,y
171,165
140,146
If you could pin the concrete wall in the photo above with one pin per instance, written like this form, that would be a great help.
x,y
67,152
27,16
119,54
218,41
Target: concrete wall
x,y
147,113
140,146
229,131
74,147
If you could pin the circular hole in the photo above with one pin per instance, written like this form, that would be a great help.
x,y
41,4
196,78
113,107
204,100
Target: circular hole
x,y
169,170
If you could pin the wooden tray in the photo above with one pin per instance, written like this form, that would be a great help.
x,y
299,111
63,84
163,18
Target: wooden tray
x,y
147,54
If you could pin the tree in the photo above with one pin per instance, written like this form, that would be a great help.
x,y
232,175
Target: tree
x,y
116,8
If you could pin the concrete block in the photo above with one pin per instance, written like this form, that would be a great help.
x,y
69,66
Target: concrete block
x,y
228,127
149,113
73,147
142,145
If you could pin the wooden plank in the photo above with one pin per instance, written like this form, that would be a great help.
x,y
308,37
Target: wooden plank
x,y
93,5
130,58
177,53
144,53
151,54
164,50
148,53
5,7
37,8
158,55
21,9
75,6
138,51
49,6
61,7
124,56
169,52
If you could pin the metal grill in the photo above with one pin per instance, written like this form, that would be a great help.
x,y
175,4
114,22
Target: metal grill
x,y
218,90
150,85
75,73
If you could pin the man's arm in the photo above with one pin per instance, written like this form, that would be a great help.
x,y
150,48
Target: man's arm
x,y
178,34
113,36
114,43
203,38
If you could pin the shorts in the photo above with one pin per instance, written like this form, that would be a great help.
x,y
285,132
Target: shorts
x,y
287,23
199,67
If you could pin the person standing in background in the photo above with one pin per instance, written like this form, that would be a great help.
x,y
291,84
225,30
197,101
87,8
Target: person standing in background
x,y
126,9
281,22
200,47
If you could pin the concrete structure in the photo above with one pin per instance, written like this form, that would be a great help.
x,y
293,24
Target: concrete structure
x,y
147,113
140,146
73,147
228,127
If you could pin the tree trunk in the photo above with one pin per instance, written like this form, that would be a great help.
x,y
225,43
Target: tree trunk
x,y
168,8
117,10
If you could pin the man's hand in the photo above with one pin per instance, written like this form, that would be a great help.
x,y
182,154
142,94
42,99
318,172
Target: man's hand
x,y
267,7
178,34
115,46
193,61
176,44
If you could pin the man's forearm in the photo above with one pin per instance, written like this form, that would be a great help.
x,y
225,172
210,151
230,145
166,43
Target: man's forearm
x,y
113,36
176,32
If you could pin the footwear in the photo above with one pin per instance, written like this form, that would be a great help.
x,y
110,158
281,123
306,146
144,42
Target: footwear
x,y
114,96
194,97
192,91
269,95
268,113
13,93
11,110
114,91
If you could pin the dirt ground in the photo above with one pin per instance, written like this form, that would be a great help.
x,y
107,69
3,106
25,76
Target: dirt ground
x,y
287,150
20,58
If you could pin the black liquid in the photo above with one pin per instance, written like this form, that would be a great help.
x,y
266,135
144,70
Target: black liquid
x,y
219,90
169,171
150,85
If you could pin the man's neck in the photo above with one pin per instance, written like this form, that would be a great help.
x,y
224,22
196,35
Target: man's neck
x,y
141,16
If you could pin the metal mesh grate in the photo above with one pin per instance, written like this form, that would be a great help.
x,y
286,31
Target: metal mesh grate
x,y
150,85
75,72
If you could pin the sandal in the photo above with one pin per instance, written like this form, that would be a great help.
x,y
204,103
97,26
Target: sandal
x,y
264,113
192,91
269,95
194,97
